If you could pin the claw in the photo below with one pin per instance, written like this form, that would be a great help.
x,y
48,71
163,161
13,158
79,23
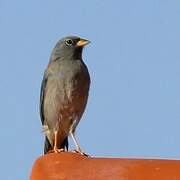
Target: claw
x,y
81,153
56,150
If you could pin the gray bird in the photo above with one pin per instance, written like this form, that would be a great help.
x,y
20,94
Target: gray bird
x,y
64,94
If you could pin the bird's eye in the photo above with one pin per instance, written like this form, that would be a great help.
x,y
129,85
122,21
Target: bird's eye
x,y
69,42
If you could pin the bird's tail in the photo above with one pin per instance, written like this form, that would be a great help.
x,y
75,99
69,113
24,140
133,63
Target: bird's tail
x,y
48,147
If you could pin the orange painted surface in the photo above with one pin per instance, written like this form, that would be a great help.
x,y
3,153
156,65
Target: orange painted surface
x,y
72,166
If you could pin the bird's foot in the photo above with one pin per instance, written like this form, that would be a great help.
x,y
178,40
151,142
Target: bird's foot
x,y
80,152
56,150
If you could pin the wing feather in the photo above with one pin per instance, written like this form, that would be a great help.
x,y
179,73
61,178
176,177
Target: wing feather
x,y
42,95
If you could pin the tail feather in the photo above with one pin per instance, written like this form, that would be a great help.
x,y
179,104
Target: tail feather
x,y
48,147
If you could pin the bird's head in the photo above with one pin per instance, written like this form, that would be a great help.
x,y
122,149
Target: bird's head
x,y
69,47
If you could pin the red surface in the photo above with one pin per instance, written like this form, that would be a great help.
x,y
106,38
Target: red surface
x,y
72,166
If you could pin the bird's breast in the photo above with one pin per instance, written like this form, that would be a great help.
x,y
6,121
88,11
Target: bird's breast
x,y
66,94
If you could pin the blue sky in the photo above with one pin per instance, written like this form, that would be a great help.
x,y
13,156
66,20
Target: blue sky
x,y
134,61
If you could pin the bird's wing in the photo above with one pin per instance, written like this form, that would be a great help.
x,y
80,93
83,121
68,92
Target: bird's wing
x,y
42,94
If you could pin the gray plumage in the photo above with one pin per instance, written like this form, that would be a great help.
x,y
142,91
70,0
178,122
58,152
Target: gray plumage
x,y
64,92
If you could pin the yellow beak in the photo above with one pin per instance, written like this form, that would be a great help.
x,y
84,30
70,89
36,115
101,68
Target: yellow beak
x,y
82,42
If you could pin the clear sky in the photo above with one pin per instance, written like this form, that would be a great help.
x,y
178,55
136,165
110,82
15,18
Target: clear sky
x,y
134,61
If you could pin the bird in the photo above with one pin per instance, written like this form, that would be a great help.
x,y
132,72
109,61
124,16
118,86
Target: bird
x,y
64,94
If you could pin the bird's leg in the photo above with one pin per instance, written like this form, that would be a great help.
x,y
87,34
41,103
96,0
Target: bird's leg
x,y
55,148
55,142
78,149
